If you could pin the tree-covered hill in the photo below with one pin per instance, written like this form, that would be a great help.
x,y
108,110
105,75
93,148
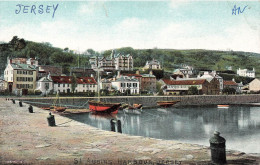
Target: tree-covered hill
x,y
169,58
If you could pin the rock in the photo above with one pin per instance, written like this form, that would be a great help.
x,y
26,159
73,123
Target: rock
x,y
43,145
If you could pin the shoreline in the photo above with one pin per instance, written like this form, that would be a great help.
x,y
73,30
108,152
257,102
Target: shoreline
x,y
27,138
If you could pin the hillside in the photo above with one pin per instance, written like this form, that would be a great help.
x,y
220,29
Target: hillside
x,y
170,58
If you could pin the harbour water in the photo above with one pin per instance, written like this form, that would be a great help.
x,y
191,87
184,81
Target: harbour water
x,y
239,125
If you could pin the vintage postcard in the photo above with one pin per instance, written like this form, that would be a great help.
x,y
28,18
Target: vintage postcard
x,y
130,82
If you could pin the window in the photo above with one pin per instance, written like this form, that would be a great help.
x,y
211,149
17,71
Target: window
x,y
68,85
58,85
63,85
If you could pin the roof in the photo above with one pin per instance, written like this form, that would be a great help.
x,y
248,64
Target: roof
x,y
45,79
148,75
229,83
126,78
184,82
23,66
67,80
133,75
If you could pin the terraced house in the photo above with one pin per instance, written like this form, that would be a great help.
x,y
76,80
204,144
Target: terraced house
x,y
182,86
63,84
20,78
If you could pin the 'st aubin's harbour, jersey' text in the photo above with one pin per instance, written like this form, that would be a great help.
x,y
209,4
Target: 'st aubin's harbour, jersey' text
x,y
36,9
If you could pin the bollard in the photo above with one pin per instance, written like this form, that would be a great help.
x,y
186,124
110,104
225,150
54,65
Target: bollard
x,y
30,109
51,120
20,103
119,128
13,101
112,123
218,149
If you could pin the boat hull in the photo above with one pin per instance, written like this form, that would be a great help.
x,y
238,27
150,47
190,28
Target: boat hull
x,y
223,106
166,104
102,107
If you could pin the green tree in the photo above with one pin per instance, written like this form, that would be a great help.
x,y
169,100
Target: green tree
x,y
193,90
73,83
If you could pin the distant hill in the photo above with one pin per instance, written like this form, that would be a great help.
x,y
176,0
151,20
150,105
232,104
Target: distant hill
x,y
170,58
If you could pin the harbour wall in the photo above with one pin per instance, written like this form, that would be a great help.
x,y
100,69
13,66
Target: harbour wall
x,y
147,101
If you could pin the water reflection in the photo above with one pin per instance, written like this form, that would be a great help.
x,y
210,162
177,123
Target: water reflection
x,y
239,125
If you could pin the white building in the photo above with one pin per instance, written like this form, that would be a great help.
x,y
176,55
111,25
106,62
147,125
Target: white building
x,y
124,83
210,76
63,84
45,85
154,64
246,72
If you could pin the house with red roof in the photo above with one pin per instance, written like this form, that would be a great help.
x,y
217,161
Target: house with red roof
x,y
230,84
63,84
182,86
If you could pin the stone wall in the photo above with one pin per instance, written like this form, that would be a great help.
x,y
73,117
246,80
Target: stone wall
x,y
81,102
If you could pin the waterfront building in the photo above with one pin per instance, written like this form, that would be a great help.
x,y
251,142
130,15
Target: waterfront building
x,y
147,82
125,83
114,62
154,64
45,85
246,72
254,85
230,84
106,84
20,78
63,84
210,76
182,86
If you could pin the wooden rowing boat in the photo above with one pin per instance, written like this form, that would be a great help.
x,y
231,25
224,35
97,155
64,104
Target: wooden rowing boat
x,y
166,104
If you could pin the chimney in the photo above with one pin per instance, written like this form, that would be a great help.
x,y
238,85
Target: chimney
x,y
118,74
137,72
91,75
151,72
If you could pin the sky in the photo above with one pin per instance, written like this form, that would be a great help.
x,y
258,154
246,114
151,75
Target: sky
x,y
102,25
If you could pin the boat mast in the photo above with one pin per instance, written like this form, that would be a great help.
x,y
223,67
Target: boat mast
x,y
98,85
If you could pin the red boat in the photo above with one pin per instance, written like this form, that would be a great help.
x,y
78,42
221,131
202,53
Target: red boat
x,y
166,104
102,107
59,109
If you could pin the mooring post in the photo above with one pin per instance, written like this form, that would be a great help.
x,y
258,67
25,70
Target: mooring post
x,y
30,109
119,128
13,101
51,120
218,149
20,103
112,123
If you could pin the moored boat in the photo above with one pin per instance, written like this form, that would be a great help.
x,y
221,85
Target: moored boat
x,y
223,106
59,109
135,109
103,107
166,104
